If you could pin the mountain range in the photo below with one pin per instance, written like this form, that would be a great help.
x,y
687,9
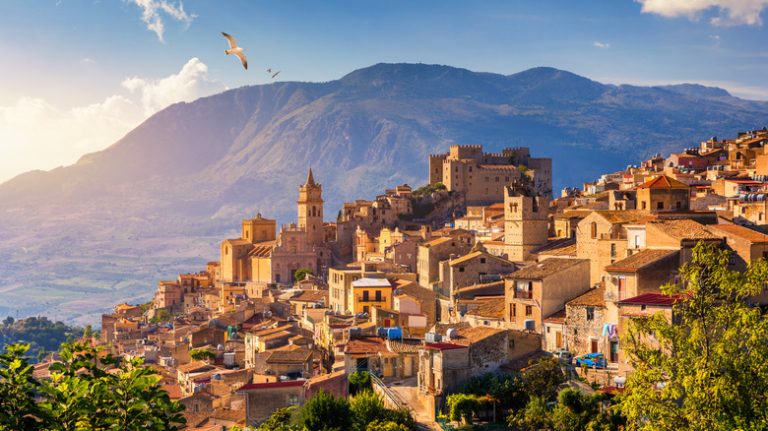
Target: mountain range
x,y
77,239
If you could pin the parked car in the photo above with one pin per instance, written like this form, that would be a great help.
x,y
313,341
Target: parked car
x,y
592,360
563,356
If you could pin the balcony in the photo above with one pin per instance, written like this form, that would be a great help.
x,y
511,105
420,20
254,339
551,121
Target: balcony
x,y
523,294
369,299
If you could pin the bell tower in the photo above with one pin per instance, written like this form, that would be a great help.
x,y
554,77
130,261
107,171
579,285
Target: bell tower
x,y
310,207
526,222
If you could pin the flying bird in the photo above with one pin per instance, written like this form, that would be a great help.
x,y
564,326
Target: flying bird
x,y
273,73
235,50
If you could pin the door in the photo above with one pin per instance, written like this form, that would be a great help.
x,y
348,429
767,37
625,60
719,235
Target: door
x,y
408,366
614,351
594,346
558,339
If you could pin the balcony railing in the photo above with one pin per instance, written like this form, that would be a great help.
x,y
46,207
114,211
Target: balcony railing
x,y
369,299
523,294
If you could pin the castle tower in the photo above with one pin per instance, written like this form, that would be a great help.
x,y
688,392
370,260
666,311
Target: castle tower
x,y
525,222
310,206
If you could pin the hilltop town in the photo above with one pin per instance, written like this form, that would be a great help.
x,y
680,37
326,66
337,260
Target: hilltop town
x,y
483,269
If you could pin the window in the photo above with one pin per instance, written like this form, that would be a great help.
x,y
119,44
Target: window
x,y
593,229
548,328
378,296
613,250
512,311
643,205
678,204
365,309
366,296
642,307
482,260
461,269
659,205
528,310
590,313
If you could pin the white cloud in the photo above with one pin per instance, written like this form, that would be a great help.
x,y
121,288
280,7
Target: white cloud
x,y
729,12
152,11
185,86
35,134
601,45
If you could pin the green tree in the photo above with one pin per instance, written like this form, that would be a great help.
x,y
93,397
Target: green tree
x,y
89,390
325,412
705,368
463,407
161,315
505,389
17,390
360,380
301,274
284,419
202,354
542,378
534,417
574,410
366,407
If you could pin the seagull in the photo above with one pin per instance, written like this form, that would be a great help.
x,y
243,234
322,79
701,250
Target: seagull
x,y
273,73
236,50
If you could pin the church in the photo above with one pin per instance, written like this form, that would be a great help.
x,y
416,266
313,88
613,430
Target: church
x,y
262,255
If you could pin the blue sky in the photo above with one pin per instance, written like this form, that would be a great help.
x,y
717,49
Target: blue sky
x,y
77,75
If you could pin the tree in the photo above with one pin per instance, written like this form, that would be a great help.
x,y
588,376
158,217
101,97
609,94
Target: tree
x,y
534,417
506,390
284,419
360,380
161,315
542,378
386,426
705,367
17,390
574,410
202,354
324,412
366,407
301,274
464,406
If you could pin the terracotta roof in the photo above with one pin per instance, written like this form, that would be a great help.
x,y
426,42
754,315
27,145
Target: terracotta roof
x,y
444,346
476,254
737,231
556,317
652,299
545,268
263,249
271,385
438,241
558,246
626,216
591,298
365,346
194,366
174,391
492,308
573,214
311,296
469,336
663,182
639,260
683,229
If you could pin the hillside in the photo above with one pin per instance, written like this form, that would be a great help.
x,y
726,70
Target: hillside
x,y
105,229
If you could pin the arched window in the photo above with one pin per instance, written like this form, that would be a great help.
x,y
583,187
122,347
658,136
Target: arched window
x,y
593,229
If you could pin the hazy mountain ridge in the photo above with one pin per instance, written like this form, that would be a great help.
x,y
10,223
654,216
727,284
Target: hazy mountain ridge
x,y
159,198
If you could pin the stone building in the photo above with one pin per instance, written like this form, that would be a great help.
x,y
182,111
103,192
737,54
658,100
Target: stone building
x,y
748,244
261,256
483,176
663,193
431,253
601,238
475,267
585,318
542,289
526,224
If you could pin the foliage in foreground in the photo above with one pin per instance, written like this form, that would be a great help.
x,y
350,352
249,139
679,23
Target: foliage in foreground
x,y
325,412
86,391
705,369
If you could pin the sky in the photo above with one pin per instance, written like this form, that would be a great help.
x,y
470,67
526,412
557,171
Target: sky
x,y
77,75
